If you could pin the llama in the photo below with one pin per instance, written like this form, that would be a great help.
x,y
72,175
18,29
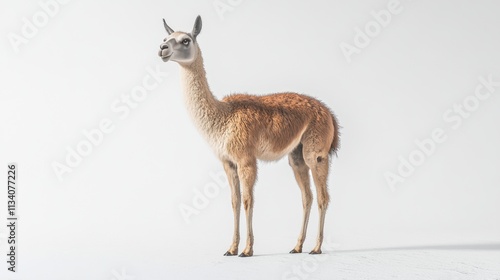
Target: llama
x,y
244,128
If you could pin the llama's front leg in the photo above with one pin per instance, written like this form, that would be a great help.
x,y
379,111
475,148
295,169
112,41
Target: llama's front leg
x,y
234,182
247,172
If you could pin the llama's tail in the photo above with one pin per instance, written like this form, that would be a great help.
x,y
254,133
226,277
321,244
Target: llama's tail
x,y
336,136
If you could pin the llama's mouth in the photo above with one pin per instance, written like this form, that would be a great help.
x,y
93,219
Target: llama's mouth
x,y
165,58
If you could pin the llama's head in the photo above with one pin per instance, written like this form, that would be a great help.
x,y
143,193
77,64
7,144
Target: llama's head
x,y
180,47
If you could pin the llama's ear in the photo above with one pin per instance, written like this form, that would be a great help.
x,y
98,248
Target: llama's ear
x,y
169,30
196,27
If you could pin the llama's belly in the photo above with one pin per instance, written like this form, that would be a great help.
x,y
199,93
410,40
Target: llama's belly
x,y
266,149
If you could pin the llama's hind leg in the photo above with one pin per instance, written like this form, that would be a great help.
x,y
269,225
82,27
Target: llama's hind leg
x,y
319,165
301,172
234,182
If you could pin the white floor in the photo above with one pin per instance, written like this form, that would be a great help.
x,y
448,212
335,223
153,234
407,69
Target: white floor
x,y
448,263
480,262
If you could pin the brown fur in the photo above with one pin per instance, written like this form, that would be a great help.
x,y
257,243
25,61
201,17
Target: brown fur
x,y
243,128
279,117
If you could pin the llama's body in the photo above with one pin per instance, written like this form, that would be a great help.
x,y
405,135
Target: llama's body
x,y
267,126
244,128
277,123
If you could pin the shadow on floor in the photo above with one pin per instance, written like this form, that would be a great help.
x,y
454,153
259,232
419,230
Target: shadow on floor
x,y
457,247
477,247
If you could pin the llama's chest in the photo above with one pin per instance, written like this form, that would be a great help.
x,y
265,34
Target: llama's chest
x,y
215,135
218,143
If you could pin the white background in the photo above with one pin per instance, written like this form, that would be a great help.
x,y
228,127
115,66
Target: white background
x,y
118,211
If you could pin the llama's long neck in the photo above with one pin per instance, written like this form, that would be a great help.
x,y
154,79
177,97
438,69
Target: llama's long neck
x,y
207,112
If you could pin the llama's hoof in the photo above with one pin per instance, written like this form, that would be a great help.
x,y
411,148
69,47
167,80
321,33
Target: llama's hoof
x,y
244,255
295,251
230,254
315,252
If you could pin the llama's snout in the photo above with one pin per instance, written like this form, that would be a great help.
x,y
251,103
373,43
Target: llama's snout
x,y
164,46
165,51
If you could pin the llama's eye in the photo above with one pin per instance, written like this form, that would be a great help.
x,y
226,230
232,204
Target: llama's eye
x,y
185,42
